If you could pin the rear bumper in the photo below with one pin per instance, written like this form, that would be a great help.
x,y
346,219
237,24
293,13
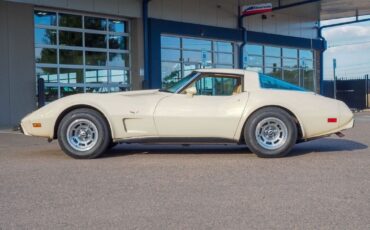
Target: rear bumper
x,y
348,125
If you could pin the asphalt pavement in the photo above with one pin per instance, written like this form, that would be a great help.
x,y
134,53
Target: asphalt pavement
x,y
323,184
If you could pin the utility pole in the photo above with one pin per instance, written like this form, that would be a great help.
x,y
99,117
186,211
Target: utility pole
x,y
335,78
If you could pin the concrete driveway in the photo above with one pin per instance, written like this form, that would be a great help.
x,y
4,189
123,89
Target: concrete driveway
x,y
323,184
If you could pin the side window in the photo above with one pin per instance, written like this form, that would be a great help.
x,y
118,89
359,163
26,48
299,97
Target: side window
x,y
213,85
268,82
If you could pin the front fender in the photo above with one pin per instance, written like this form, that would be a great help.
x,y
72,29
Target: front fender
x,y
49,115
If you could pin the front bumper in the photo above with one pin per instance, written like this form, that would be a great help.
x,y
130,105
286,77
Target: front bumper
x,y
20,128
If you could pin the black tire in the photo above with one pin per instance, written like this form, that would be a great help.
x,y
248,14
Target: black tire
x,y
260,143
101,141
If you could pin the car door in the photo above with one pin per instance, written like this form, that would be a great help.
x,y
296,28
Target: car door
x,y
213,112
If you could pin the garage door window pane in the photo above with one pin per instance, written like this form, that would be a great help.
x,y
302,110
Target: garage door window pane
x,y
253,49
118,42
226,47
197,44
96,40
66,91
254,61
45,36
117,26
70,20
306,54
196,56
290,63
69,38
171,73
51,94
96,76
272,62
45,18
170,42
71,76
170,55
223,58
46,55
96,58
290,53
224,66
119,76
292,76
49,75
275,72
308,79
119,59
70,57
272,51
303,63
94,23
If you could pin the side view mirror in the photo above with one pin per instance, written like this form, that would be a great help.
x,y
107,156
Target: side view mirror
x,y
191,91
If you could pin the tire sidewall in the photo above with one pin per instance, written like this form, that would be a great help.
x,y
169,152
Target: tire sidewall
x,y
103,131
251,125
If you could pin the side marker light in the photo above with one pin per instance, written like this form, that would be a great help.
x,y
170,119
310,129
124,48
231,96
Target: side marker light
x,y
332,120
36,125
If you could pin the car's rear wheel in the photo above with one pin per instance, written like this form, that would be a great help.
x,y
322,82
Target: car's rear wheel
x,y
270,132
83,134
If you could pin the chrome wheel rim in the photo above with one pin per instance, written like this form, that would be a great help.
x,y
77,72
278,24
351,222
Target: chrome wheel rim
x,y
82,135
271,133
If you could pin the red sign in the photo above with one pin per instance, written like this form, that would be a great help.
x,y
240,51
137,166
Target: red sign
x,y
256,9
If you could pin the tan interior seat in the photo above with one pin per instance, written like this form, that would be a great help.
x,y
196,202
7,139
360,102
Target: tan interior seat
x,y
237,89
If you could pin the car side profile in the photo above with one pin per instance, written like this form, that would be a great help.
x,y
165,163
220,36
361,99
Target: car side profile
x,y
208,106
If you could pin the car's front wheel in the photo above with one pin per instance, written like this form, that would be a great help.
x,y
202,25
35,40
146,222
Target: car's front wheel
x,y
83,134
270,132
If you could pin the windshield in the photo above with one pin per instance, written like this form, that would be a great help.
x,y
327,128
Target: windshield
x,y
178,85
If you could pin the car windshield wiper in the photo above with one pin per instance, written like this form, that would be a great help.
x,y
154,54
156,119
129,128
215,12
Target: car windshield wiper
x,y
165,90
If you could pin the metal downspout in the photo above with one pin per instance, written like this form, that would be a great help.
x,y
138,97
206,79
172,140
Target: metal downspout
x,y
146,82
244,37
321,55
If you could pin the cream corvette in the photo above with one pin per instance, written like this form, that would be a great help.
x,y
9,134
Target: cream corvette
x,y
211,105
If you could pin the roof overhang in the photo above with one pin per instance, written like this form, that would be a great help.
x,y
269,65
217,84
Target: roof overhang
x,y
318,9
335,9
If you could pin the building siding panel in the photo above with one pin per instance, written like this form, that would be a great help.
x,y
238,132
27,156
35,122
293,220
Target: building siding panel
x,y
4,66
129,8
171,9
21,61
209,12
107,6
190,11
86,5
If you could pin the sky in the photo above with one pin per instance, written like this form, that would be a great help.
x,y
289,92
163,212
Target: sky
x,y
350,45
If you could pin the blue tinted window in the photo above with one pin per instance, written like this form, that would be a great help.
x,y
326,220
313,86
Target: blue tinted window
x,y
45,36
196,44
45,18
170,42
223,47
117,26
268,82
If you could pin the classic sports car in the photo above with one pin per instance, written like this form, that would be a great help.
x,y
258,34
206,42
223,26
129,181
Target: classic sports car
x,y
209,105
